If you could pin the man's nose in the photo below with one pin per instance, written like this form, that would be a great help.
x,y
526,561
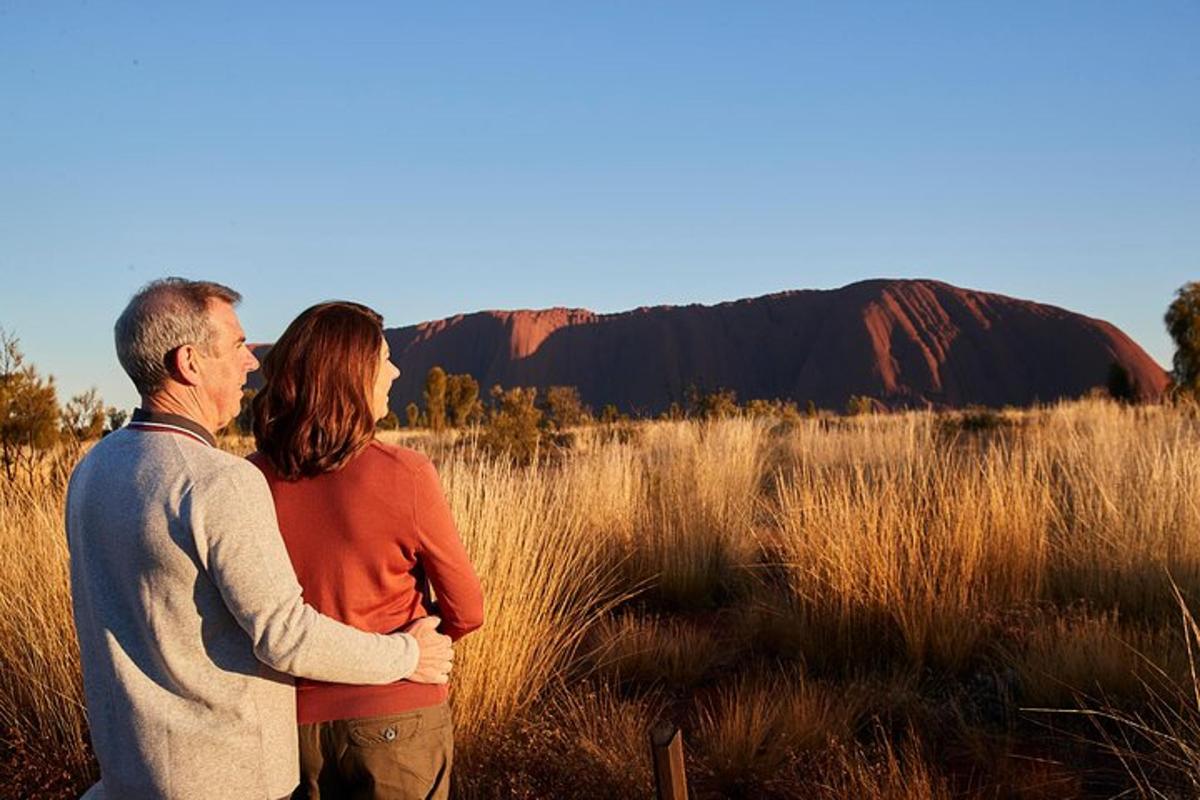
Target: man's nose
x,y
251,361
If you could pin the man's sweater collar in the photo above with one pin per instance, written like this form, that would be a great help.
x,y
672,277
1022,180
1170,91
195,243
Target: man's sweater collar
x,y
161,421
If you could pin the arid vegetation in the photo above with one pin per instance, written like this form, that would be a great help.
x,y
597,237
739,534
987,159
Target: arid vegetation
x,y
878,606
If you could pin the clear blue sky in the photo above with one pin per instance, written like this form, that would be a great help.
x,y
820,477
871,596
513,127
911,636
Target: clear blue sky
x,y
432,158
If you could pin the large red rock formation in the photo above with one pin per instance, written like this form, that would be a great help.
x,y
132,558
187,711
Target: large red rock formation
x,y
903,342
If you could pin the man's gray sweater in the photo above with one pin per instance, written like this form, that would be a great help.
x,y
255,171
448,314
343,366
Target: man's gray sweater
x,y
188,612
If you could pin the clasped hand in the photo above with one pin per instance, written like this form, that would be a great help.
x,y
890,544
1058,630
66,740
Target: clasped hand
x,y
436,651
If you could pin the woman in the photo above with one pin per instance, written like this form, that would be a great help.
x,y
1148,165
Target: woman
x,y
370,534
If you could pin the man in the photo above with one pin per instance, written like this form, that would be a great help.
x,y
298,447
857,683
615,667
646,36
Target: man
x,y
186,605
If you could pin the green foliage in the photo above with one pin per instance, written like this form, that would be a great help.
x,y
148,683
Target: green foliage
x,y
117,417
435,398
1183,324
29,414
389,423
785,410
412,415
564,408
1122,385
718,404
858,405
980,418
514,422
83,416
462,399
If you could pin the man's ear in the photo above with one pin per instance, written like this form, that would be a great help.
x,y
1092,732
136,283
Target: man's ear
x,y
184,364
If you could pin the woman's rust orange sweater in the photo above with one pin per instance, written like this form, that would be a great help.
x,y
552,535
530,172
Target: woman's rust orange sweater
x,y
368,542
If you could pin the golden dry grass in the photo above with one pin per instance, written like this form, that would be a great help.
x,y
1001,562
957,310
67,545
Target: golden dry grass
x,y
40,687
712,559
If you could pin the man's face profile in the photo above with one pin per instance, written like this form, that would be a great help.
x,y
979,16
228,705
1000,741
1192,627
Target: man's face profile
x,y
225,368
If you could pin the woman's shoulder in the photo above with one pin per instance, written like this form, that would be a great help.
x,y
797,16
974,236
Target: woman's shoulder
x,y
406,458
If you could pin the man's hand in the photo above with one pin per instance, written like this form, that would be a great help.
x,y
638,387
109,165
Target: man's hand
x,y
437,654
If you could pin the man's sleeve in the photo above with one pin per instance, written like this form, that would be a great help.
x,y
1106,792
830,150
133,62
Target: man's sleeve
x,y
238,540
442,555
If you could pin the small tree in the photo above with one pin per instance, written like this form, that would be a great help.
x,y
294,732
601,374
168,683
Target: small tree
x,y
462,395
389,423
435,398
513,424
773,409
1122,385
412,413
719,404
609,414
29,415
859,404
1183,324
83,416
565,408
117,418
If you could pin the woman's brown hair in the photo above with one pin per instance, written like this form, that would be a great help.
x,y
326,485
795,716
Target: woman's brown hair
x,y
314,413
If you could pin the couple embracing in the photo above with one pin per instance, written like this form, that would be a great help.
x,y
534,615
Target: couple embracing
x,y
274,627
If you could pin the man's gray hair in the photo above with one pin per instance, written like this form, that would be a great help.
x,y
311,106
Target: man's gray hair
x,y
165,315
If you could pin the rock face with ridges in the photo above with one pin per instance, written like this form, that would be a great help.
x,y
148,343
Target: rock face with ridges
x,y
907,343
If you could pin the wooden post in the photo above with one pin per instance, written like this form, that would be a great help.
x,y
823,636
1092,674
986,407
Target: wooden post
x,y
666,748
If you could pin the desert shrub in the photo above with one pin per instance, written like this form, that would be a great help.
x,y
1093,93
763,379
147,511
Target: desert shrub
x,y
564,409
626,649
513,424
588,743
610,414
115,419
784,410
1122,385
29,413
1075,658
981,418
462,399
750,733
858,405
882,770
83,416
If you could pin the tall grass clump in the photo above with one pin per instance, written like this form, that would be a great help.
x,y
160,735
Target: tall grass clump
x,y
629,650
41,694
696,533
752,734
1158,741
882,771
916,543
1126,482
1078,658
544,582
